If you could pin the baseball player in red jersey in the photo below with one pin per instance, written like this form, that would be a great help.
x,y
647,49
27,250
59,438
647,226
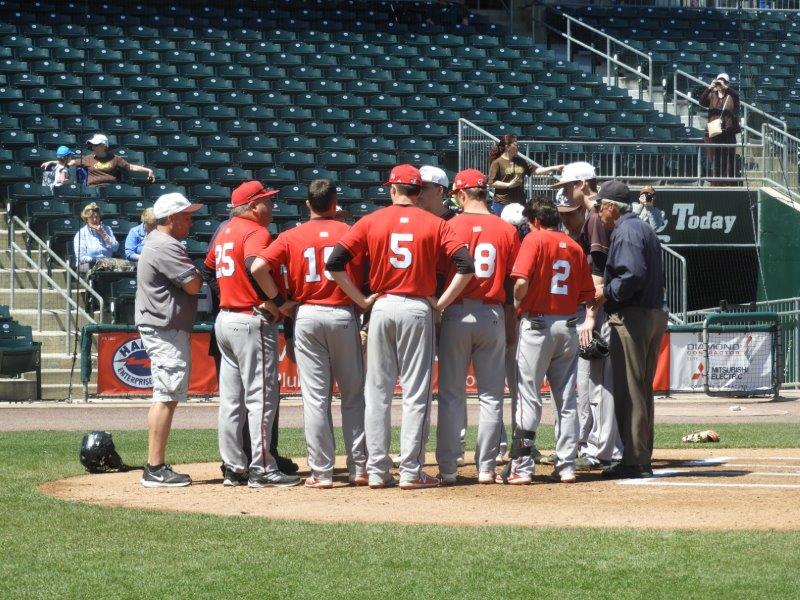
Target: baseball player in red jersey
x,y
552,279
473,330
403,244
326,333
248,340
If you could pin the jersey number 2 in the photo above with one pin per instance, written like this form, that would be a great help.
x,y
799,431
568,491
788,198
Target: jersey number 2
x,y
558,284
311,256
223,261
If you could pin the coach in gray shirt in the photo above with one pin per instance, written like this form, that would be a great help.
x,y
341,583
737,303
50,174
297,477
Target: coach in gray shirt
x,y
633,293
166,307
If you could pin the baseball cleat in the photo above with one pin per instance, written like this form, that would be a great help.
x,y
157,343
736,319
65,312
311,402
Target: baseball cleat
x,y
518,479
460,461
550,459
163,476
565,475
286,465
448,478
489,477
318,484
424,481
395,460
359,479
232,478
381,484
272,479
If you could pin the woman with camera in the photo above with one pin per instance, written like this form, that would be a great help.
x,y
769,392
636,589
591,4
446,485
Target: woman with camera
x,y
722,102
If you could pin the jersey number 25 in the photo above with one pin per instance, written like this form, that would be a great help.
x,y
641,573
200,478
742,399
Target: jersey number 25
x,y
223,260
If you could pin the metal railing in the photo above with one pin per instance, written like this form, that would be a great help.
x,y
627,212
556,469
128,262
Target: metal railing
x,y
43,276
615,55
728,5
788,310
675,283
750,125
781,161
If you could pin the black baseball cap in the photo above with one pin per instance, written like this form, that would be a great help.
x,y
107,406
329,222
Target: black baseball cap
x,y
614,191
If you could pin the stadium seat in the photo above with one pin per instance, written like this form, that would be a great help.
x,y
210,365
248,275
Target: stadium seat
x,y
122,296
204,229
120,193
59,233
276,176
10,173
211,194
231,176
188,175
360,177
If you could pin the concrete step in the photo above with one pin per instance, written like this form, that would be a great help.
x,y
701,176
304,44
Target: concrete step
x,y
19,236
61,391
52,320
60,376
18,390
28,278
59,360
27,299
19,261
54,342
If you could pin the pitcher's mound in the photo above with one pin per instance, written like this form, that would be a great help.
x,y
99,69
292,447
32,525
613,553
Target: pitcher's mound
x,y
698,488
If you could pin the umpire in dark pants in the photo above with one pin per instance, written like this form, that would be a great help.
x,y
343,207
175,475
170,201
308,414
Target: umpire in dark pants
x,y
633,294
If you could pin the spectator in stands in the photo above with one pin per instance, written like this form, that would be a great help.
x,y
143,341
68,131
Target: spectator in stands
x,y
646,209
58,173
103,166
722,102
507,171
445,12
94,240
135,240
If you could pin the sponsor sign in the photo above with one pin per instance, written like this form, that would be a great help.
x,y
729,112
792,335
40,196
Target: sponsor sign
x,y
735,362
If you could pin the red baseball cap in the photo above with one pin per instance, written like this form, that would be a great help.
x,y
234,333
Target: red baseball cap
x,y
405,174
250,191
468,178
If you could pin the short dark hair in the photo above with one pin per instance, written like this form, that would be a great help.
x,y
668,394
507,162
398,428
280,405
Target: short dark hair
x,y
592,183
543,209
405,189
321,195
476,193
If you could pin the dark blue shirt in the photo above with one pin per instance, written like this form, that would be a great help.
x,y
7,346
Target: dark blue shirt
x,y
633,275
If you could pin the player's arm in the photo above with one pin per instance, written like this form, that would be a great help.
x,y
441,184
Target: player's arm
x,y
336,265
520,290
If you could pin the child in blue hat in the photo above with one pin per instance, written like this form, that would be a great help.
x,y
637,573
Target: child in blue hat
x,y
60,172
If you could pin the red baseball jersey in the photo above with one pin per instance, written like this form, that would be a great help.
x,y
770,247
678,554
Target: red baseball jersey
x,y
557,271
239,240
493,244
305,250
403,245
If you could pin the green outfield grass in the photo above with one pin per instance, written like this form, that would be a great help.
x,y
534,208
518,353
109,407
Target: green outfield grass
x,y
58,549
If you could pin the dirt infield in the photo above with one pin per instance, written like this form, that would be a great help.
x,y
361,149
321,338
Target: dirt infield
x,y
693,489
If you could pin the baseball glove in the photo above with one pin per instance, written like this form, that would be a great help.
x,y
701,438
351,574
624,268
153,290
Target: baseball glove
x,y
701,437
597,348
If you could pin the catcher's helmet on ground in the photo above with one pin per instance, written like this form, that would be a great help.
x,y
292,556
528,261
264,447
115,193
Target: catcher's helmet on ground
x,y
597,348
98,454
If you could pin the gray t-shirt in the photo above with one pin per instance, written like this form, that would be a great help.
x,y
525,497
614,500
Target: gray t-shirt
x,y
163,268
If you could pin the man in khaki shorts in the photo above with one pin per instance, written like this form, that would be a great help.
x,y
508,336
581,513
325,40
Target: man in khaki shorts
x,y
166,307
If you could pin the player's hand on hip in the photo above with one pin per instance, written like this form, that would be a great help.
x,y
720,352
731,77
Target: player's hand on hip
x,y
287,308
434,302
270,307
368,302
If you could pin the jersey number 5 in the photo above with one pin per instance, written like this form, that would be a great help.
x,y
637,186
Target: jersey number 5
x,y
402,260
311,256
223,261
558,284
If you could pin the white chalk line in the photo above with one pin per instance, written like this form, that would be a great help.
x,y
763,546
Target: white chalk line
x,y
767,474
656,482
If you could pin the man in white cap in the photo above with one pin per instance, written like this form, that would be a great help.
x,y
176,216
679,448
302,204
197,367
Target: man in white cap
x,y
104,166
435,184
166,307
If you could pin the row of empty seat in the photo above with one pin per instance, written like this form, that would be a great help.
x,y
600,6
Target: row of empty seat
x,y
19,353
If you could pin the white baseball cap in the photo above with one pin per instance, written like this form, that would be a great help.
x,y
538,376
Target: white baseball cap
x,y
434,175
563,205
97,138
724,77
577,171
172,204
512,214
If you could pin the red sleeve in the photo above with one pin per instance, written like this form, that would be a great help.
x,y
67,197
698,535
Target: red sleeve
x,y
355,240
523,265
256,243
276,254
449,241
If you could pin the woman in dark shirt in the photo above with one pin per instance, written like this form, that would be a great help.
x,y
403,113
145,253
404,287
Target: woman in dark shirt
x,y
722,102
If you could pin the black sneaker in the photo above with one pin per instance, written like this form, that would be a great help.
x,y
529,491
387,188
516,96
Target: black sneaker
x,y
620,471
232,478
286,465
163,476
273,479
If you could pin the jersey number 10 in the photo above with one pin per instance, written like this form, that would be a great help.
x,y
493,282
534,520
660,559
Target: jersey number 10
x,y
310,254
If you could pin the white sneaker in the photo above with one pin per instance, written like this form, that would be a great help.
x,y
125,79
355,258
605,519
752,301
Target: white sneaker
x,y
488,477
448,478
460,461
564,475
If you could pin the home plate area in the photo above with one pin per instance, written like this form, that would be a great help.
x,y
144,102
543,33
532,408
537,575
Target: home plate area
x,y
695,488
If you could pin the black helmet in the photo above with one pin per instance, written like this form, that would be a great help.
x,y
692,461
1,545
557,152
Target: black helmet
x,y
98,454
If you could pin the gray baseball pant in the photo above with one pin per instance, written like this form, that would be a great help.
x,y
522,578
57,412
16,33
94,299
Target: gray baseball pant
x,y
585,388
328,347
511,382
548,345
248,383
471,331
400,343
